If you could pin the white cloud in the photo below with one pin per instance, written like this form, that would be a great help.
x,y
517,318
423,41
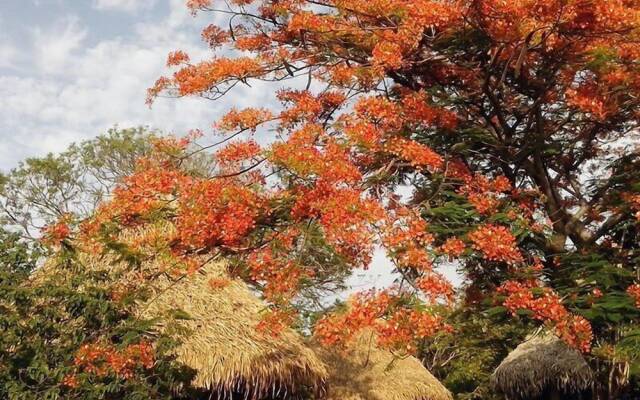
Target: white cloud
x,y
8,55
54,47
123,5
78,90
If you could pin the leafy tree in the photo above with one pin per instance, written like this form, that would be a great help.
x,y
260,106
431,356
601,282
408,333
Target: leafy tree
x,y
512,124
62,333
43,190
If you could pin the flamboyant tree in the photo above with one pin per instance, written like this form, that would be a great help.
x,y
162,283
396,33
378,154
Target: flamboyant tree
x,y
513,123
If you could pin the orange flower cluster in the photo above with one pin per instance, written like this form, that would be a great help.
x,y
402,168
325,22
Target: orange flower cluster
x,y
411,111
587,99
206,213
310,154
387,55
406,328
142,193
419,155
380,111
435,287
546,306
70,381
216,212
484,193
347,219
406,240
416,110
105,359
576,331
176,58
436,14
274,322
195,5
248,118
171,145
309,21
303,106
281,275
496,243
363,134
161,85
634,292
198,78
453,247
396,328
238,152
55,234
214,36
259,42
364,311
485,204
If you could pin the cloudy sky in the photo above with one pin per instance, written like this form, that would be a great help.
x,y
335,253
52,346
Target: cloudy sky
x,y
70,69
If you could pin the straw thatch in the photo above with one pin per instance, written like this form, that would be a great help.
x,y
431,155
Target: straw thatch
x,y
366,372
223,345
216,329
541,364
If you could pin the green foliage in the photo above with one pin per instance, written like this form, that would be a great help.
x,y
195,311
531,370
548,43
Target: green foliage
x,y
465,360
46,318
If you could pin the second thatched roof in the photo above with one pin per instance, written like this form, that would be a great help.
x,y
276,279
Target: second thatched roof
x,y
543,362
365,372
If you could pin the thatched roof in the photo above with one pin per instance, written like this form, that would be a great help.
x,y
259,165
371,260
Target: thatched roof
x,y
366,372
543,362
223,345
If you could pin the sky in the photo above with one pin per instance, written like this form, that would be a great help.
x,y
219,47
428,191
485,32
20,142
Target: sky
x,y
71,69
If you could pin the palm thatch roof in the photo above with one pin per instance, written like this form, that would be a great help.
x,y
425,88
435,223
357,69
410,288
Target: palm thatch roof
x,y
366,372
543,362
215,328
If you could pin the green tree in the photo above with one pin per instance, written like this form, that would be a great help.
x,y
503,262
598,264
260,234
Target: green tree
x,y
42,190
465,361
